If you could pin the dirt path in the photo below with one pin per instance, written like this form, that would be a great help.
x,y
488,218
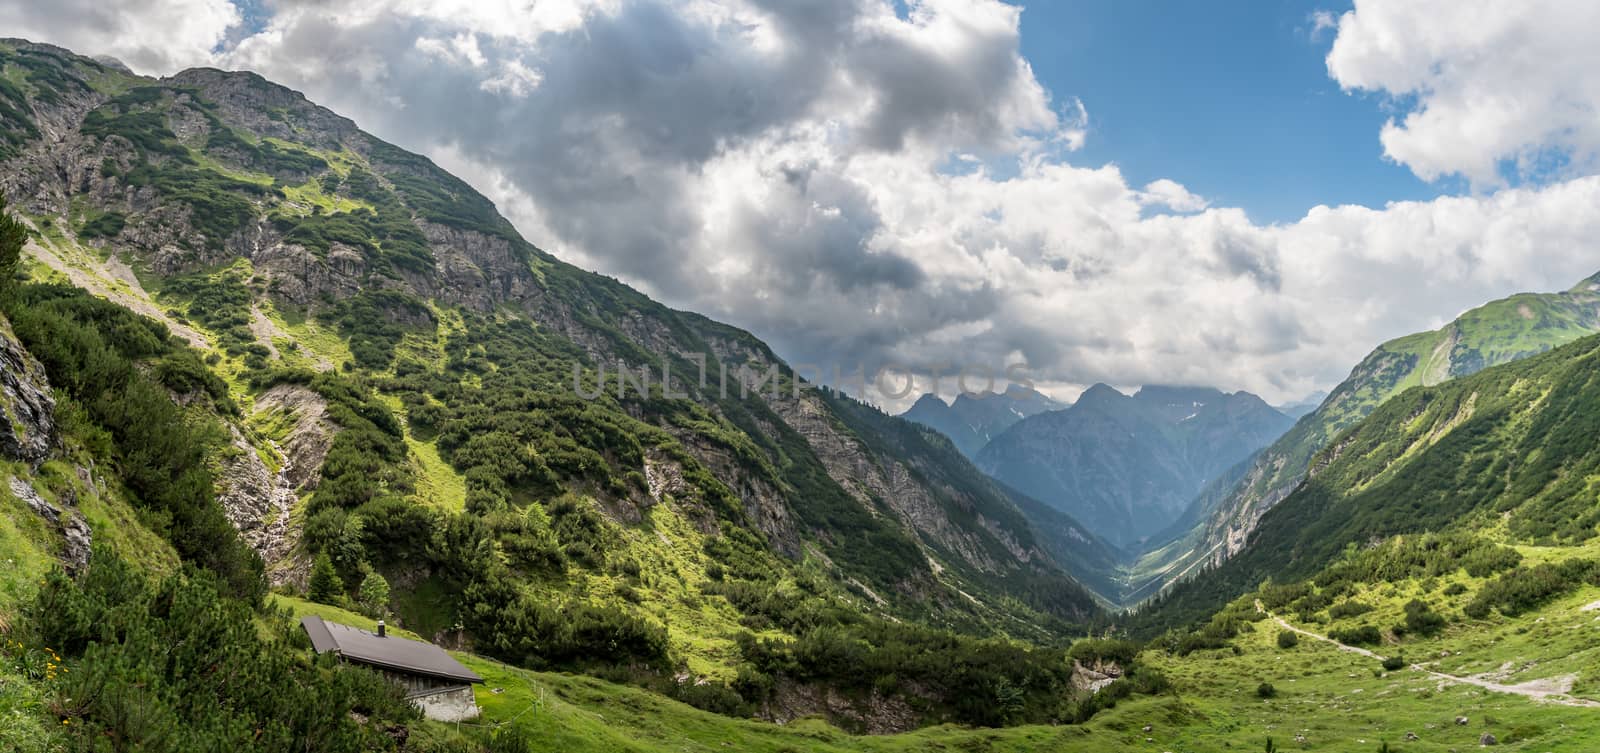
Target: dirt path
x,y
1539,690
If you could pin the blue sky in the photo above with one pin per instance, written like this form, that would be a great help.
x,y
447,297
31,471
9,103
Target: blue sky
x,y
1233,100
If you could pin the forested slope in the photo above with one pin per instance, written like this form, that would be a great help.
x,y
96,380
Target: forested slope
x,y
1510,449
1222,517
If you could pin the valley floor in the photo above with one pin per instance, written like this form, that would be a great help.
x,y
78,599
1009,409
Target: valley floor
x,y
1327,699
1553,690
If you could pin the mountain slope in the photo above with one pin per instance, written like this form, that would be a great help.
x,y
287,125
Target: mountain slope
x,y
415,401
1496,333
1297,409
1330,696
1127,466
1509,450
975,418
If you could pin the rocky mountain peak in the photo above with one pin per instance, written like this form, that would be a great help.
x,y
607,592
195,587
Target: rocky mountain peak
x,y
1127,466
1100,393
269,110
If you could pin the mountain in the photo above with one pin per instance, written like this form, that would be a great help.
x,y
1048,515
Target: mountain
x,y
1507,455
1303,406
404,393
256,365
1097,565
1126,466
977,417
1498,332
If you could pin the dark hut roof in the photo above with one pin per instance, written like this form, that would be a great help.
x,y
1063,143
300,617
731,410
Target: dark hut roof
x,y
388,652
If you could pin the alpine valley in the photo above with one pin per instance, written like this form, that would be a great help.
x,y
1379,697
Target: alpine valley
x,y
258,365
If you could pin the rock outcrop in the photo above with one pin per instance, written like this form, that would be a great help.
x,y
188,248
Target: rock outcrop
x,y
27,412
874,714
309,439
1094,677
76,536
257,499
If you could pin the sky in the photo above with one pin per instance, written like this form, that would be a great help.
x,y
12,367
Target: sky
x,y
1233,100
1242,195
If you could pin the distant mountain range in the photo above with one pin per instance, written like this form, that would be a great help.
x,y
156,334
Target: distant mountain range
x,y
1174,479
977,417
1127,467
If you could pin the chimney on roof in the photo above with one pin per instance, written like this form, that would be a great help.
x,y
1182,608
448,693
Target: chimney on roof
x,y
381,631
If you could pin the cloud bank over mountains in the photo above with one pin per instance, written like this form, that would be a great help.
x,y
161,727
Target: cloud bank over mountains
x,y
864,185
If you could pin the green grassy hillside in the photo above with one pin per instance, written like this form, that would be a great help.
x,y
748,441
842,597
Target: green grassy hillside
x,y
1508,448
1336,700
1222,516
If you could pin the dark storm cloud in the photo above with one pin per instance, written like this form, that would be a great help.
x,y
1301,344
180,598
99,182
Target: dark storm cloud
x,y
631,107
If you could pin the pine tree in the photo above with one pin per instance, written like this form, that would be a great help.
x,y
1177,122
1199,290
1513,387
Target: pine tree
x,y
326,586
374,593
13,234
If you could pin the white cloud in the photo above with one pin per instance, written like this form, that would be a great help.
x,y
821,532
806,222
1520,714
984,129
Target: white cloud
x,y
515,80
151,36
461,49
1172,195
1485,82
785,167
1321,21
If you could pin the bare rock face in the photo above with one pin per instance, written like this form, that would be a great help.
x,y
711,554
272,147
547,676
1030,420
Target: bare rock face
x,y
312,435
27,412
875,714
1094,677
249,101
867,478
299,276
664,477
258,500
475,270
763,503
